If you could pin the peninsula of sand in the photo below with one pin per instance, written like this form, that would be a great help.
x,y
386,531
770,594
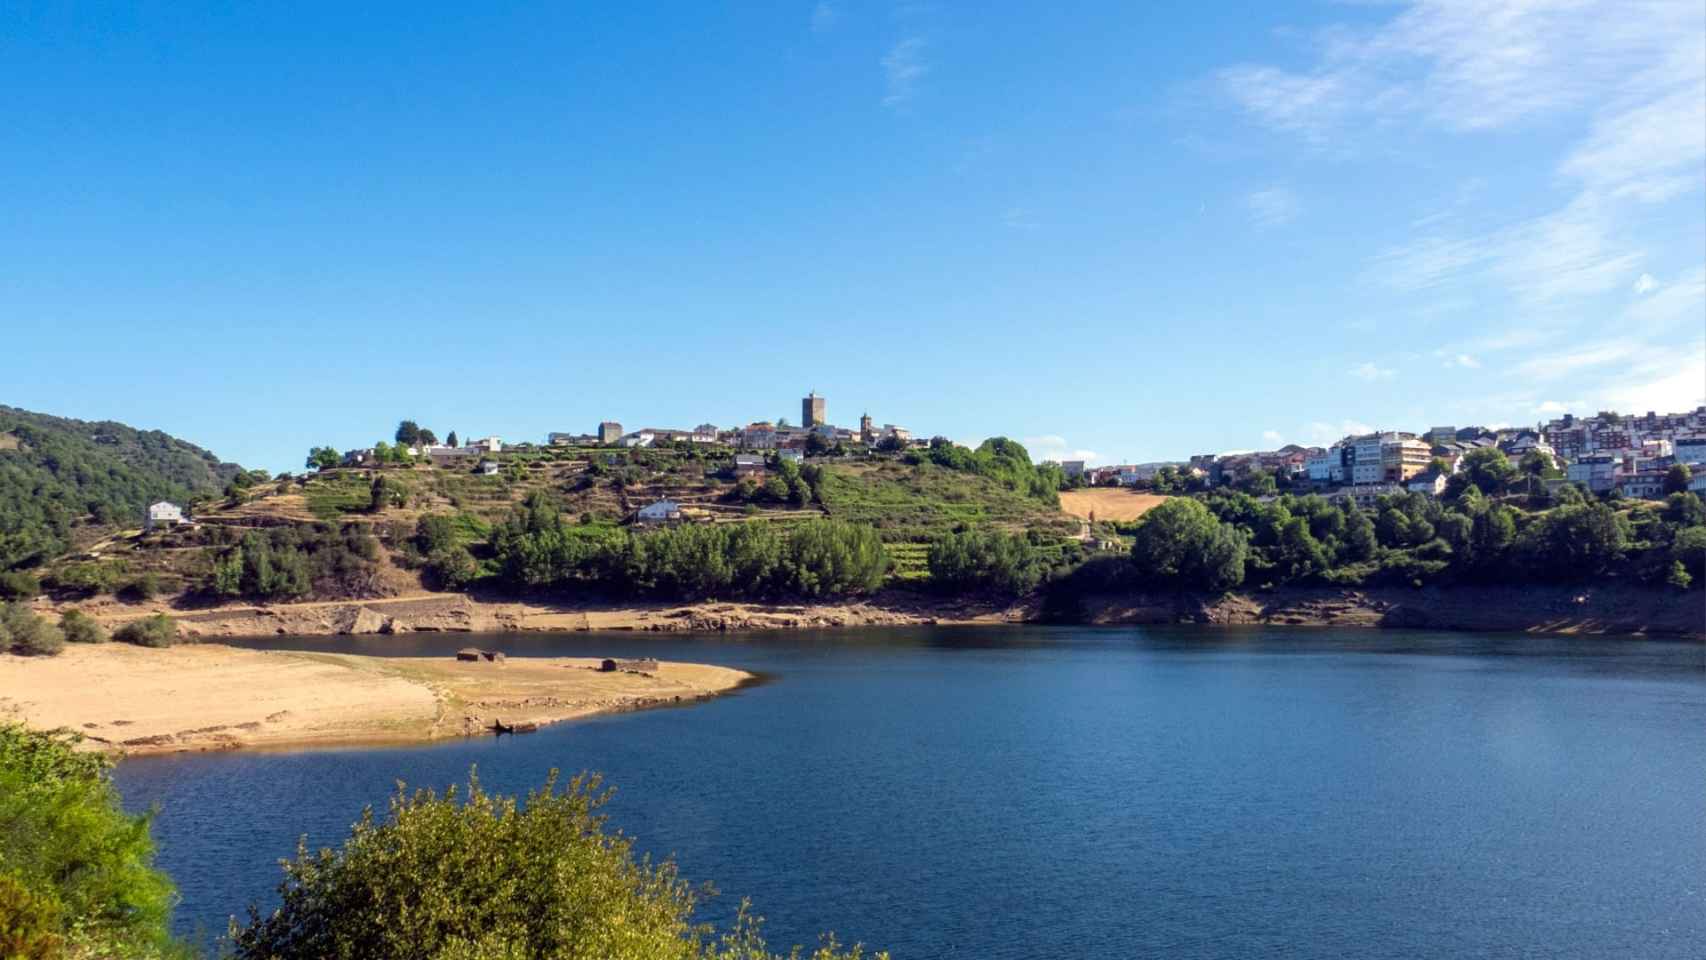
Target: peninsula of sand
x,y
139,700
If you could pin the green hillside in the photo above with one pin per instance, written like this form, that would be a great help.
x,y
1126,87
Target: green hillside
x,y
62,480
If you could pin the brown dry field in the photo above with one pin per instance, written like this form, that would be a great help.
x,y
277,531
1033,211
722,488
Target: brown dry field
x,y
1108,503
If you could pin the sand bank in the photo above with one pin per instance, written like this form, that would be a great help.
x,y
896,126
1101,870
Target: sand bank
x,y
209,696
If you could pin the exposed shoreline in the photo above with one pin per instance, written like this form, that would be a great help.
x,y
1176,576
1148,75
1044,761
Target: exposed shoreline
x,y
1613,608
197,697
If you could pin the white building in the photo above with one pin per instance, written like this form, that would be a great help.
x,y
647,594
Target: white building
x,y
489,468
1326,467
1596,471
162,514
641,438
1366,467
487,444
662,511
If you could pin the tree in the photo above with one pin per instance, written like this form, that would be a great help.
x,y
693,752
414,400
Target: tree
x,y
816,445
1181,544
1574,542
1684,510
427,438
1677,478
323,458
984,560
1534,466
467,875
1488,469
450,439
408,433
84,866
156,631
1259,483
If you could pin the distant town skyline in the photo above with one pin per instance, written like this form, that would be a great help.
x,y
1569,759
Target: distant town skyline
x,y
1113,233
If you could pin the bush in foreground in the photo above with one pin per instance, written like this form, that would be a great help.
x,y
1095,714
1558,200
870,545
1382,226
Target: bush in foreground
x,y
24,633
156,631
76,872
487,878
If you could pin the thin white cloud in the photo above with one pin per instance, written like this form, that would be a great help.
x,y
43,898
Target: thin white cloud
x,y
1273,437
1670,380
1054,447
825,17
1645,284
1321,433
1630,75
1462,361
1273,207
903,67
1574,360
1371,372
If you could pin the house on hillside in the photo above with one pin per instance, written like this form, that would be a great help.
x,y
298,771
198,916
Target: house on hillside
x,y
1430,482
489,468
663,511
748,465
161,514
791,455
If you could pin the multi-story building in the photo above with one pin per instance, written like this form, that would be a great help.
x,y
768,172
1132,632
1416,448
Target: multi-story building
x,y
1596,471
1363,464
867,429
1404,457
609,432
1438,435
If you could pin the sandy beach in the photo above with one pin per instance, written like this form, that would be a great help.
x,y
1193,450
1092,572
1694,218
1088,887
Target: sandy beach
x,y
213,697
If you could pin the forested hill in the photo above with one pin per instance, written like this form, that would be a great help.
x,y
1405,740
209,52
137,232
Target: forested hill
x,y
58,476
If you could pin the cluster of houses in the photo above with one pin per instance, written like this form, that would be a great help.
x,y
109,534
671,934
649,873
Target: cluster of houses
x,y
758,435
1605,452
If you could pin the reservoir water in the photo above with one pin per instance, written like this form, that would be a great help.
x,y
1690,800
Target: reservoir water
x,y
1071,792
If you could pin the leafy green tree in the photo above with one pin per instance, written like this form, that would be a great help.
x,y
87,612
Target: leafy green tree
x,y
1182,544
323,458
1685,510
408,433
1574,542
450,439
86,868
1677,478
461,876
427,438
1259,483
985,560
1488,469
1689,549
1534,467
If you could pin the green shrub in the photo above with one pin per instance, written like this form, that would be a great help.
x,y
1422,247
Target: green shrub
x,y
29,923
25,634
487,878
156,631
985,560
142,589
83,865
79,627
84,579
18,585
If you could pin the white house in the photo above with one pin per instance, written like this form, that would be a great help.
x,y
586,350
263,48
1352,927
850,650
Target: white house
x,y
1596,471
662,511
748,464
489,468
162,514
1430,482
487,444
641,438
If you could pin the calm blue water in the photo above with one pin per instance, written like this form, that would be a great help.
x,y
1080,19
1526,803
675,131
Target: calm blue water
x,y
1071,792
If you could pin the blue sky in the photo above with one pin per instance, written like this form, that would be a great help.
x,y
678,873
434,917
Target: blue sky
x,y
1108,229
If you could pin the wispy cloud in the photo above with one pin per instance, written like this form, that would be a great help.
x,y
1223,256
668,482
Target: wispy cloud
x,y
1371,372
1573,360
1273,436
1273,207
1462,361
1645,284
1320,433
1054,447
903,67
824,17
1018,218
1631,73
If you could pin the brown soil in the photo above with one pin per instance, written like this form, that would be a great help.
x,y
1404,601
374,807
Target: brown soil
x,y
1108,503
